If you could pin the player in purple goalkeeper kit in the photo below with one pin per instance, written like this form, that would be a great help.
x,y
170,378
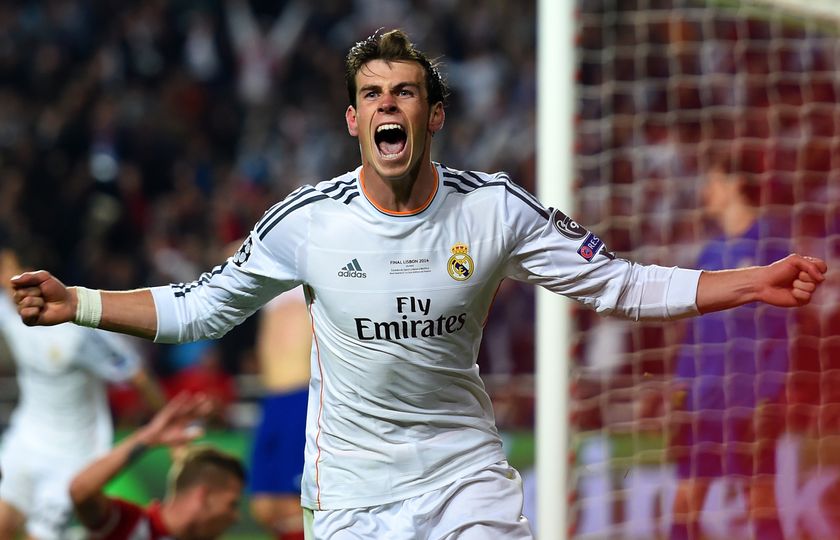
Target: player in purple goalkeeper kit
x,y
732,367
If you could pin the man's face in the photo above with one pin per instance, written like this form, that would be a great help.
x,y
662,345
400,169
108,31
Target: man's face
x,y
220,509
392,117
717,192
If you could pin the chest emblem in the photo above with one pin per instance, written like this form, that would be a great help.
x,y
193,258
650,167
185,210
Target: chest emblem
x,y
460,265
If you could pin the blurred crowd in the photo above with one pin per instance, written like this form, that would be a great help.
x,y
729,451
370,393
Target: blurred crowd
x,y
140,140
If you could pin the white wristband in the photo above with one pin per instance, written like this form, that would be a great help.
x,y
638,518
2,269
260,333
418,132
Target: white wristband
x,y
88,307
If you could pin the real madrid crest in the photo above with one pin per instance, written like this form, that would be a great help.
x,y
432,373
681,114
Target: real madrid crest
x,y
460,265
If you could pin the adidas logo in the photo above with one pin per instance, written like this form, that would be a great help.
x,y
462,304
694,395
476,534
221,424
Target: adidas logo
x,y
352,270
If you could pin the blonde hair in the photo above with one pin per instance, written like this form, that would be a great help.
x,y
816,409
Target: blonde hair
x,y
203,464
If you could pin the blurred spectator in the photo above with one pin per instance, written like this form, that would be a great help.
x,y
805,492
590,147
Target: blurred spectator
x,y
261,53
200,372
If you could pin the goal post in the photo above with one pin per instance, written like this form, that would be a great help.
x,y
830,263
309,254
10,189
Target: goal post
x,y
555,156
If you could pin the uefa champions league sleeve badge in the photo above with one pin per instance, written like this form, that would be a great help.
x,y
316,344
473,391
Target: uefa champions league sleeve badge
x,y
460,265
244,252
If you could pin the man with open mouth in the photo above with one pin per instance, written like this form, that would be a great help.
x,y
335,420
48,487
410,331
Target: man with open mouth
x,y
400,260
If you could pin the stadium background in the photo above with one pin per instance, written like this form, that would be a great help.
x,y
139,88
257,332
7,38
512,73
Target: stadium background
x,y
139,139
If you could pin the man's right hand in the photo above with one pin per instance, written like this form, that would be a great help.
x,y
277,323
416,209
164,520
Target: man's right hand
x,y
175,424
43,300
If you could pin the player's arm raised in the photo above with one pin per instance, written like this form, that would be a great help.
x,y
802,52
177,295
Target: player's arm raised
x,y
788,282
44,300
171,426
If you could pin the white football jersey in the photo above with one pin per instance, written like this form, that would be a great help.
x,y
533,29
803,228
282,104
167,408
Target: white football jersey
x,y
398,303
63,405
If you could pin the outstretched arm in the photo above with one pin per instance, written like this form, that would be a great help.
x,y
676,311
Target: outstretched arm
x,y
171,426
44,300
788,282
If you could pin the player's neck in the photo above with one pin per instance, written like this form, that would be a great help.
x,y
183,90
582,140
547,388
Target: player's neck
x,y
407,194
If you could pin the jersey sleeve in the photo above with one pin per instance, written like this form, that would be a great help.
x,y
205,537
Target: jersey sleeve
x,y
266,265
550,249
120,522
110,356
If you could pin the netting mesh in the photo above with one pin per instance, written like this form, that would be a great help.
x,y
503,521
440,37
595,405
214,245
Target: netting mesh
x,y
725,427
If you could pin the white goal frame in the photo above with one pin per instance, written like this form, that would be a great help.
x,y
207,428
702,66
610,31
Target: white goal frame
x,y
555,159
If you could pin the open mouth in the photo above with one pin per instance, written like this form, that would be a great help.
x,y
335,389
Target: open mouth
x,y
390,139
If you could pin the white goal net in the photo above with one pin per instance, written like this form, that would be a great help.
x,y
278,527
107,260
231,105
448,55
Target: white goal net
x,y
725,427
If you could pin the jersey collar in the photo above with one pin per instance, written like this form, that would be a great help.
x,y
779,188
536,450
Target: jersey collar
x,y
403,213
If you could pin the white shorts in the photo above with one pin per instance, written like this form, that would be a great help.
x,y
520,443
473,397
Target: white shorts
x,y
486,505
37,485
